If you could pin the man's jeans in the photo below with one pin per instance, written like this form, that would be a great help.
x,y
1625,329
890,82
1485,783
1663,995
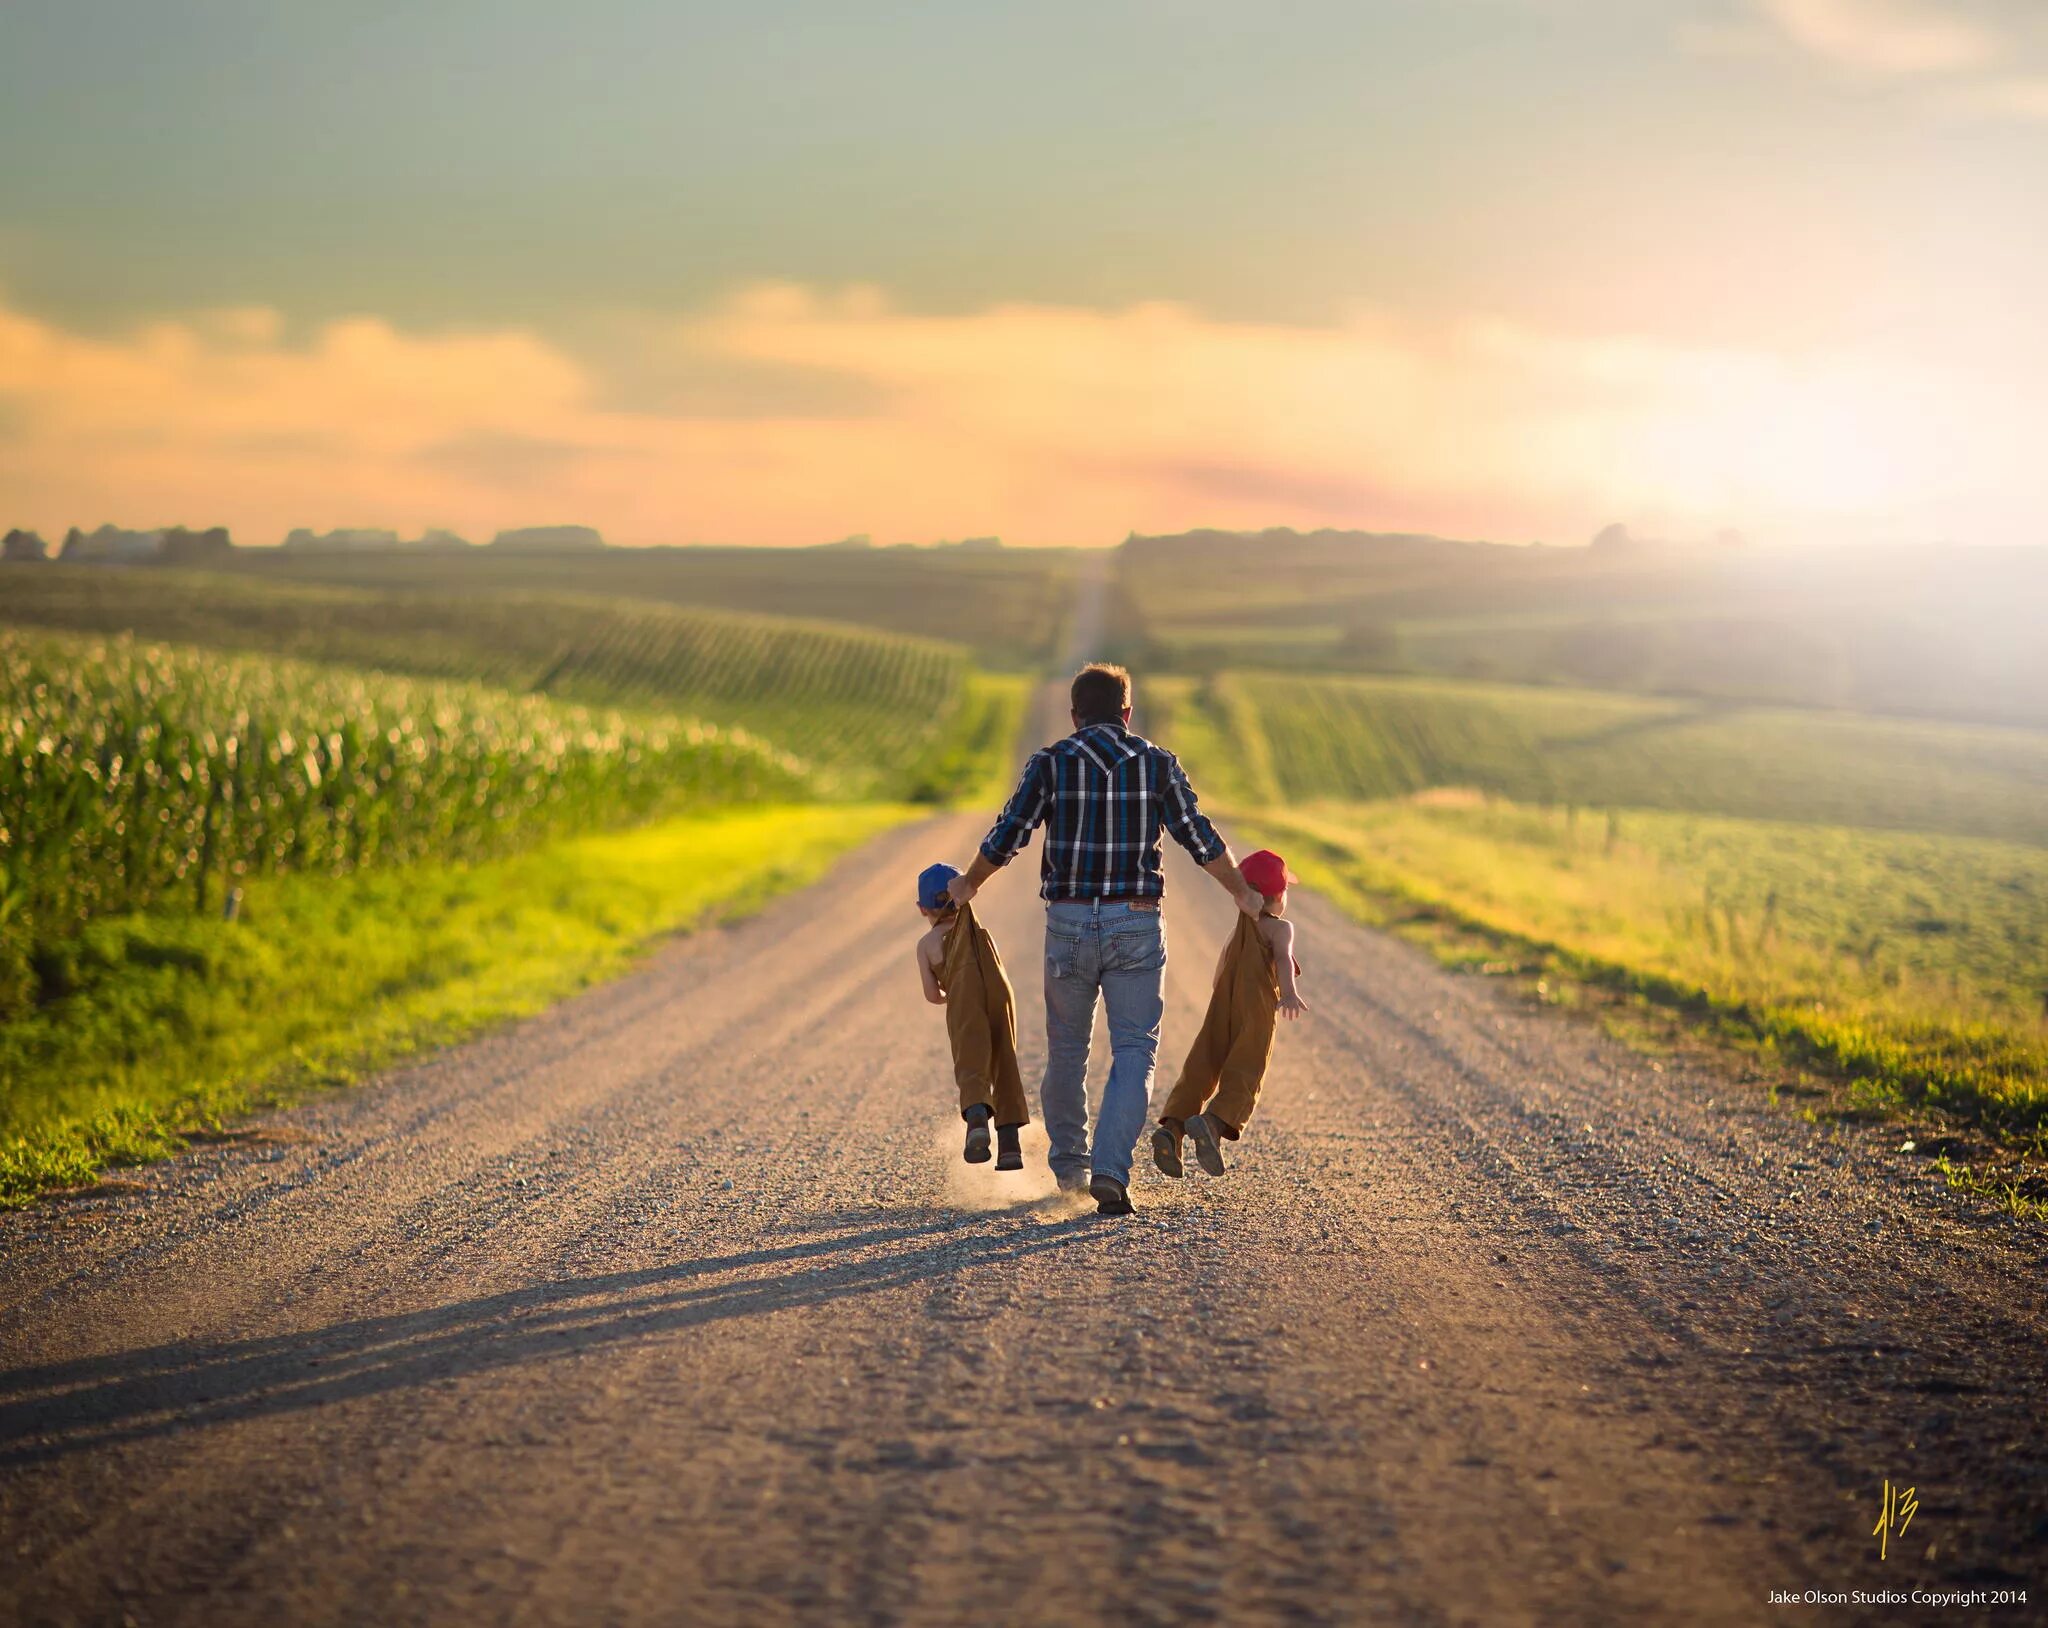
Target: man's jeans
x,y
1122,953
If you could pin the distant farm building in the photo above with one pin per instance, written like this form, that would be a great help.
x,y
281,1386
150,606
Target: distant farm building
x,y
110,545
548,537
339,541
185,547
367,539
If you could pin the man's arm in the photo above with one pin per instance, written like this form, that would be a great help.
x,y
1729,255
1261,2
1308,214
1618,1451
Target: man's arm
x,y
1204,843
964,887
1229,878
1009,836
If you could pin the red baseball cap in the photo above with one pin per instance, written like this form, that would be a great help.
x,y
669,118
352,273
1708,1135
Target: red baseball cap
x,y
1268,872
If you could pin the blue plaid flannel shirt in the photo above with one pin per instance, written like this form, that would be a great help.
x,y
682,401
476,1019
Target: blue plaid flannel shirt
x,y
1103,795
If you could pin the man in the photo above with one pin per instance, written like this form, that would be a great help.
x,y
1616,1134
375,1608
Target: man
x,y
1104,795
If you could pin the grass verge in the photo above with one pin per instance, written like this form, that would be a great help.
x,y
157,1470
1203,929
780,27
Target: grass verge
x,y
969,764
1909,968
179,1022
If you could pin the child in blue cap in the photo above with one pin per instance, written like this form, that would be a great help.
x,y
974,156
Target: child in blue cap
x,y
960,970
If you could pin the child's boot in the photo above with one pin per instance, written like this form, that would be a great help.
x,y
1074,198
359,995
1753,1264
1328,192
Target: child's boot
x,y
1009,1156
977,1117
1204,1133
1166,1148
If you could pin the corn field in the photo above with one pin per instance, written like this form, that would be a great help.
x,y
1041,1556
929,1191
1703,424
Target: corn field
x,y
133,775
864,708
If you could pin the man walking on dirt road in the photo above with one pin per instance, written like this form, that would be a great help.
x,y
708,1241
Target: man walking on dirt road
x,y
1104,796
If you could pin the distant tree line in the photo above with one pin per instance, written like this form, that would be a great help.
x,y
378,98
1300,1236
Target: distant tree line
x,y
966,545
184,545
173,545
350,539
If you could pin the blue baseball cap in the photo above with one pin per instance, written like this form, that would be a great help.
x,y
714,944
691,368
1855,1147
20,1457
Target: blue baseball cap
x,y
931,885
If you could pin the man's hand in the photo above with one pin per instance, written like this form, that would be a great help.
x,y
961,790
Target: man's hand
x,y
1223,871
963,888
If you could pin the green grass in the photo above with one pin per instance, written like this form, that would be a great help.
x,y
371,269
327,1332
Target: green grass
x,y
2022,1194
870,713
971,765
179,1022
1294,738
1913,966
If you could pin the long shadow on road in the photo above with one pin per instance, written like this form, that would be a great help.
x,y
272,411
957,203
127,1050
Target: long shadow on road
x,y
160,1390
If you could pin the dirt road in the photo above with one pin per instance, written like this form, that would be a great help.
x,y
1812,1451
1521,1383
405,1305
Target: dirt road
x,y
675,1305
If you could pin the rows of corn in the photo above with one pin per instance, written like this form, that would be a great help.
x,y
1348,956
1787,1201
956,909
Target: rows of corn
x,y
135,775
864,707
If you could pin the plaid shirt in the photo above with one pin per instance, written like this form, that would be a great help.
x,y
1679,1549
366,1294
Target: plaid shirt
x,y
1103,795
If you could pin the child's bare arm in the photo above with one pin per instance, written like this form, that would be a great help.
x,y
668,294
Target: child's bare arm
x,y
927,973
1280,934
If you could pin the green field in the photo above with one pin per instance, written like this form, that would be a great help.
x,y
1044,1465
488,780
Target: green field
x,y
872,714
179,1021
1865,897
1009,606
1949,633
1295,737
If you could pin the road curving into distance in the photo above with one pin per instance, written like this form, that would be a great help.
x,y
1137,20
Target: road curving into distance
x,y
675,1305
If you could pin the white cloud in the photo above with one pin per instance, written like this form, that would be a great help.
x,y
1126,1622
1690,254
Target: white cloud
x,y
1973,58
2016,96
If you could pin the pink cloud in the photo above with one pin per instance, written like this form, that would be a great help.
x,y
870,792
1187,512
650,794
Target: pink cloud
x,y
1888,38
1042,423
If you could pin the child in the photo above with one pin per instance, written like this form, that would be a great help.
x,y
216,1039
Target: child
x,y
960,970
1255,979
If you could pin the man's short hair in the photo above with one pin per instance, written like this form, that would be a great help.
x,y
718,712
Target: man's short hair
x,y
1101,692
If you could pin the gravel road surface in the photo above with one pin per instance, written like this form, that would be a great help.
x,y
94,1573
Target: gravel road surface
x,y
676,1305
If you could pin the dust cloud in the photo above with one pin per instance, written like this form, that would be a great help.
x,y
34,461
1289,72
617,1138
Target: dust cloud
x,y
982,1186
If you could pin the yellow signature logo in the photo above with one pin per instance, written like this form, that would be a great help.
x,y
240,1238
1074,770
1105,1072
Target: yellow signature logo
x,y
1900,1506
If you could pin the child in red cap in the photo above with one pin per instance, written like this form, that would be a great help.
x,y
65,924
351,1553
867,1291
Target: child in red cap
x,y
1256,977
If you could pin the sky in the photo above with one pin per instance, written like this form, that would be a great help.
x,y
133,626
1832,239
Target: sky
x,y
783,272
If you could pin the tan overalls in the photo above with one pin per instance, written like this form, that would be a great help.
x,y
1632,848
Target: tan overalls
x,y
1227,1063
981,1022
